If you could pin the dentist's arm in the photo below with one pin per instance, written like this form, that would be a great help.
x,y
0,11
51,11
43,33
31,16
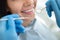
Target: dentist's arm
x,y
53,5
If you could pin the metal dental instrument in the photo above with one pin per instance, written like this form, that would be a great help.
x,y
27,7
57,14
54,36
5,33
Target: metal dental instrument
x,y
40,10
14,18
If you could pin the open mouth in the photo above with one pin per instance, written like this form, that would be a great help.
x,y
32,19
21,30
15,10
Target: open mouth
x,y
30,11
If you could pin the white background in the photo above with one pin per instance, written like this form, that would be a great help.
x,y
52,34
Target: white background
x,y
41,4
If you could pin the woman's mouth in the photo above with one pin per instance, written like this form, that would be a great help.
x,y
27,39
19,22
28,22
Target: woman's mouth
x,y
30,11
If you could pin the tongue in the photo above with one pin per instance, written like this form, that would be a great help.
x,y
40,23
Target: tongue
x,y
29,12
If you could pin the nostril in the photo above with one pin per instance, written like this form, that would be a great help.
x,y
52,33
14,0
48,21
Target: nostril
x,y
27,5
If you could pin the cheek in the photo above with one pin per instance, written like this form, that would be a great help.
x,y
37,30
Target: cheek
x,y
35,1
15,7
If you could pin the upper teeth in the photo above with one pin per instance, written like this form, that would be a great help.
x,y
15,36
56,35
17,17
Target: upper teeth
x,y
29,10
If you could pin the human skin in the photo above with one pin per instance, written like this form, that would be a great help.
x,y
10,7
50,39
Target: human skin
x,y
25,8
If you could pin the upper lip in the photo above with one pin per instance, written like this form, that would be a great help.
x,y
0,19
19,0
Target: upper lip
x,y
30,8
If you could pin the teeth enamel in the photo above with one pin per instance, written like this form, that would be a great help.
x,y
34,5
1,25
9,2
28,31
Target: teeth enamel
x,y
29,10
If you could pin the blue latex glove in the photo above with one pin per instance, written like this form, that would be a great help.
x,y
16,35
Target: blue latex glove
x,y
49,8
54,5
18,23
8,28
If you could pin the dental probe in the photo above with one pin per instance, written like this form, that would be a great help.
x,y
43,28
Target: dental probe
x,y
14,18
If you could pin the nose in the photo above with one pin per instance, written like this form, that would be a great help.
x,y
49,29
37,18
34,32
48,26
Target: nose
x,y
28,3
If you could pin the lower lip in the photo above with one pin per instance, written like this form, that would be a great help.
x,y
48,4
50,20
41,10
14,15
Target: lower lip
x,y
31,12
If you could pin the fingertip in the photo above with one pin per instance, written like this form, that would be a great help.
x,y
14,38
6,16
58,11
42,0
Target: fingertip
x,y
11,24
15,15
50,14
19,21
20,28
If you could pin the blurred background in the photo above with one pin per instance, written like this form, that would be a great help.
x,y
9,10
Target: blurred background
x,y
40,5
49,21
41,11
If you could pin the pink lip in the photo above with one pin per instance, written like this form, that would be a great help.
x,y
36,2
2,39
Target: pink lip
x,y
31,12
30,7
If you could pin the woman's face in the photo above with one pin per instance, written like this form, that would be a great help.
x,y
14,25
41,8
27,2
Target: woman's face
x,y
24,8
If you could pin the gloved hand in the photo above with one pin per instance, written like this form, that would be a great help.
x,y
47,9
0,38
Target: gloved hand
x,y
49,8
18,23
8,28
54,5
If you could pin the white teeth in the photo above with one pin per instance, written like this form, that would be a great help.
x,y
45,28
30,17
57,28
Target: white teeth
x,y
29,10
